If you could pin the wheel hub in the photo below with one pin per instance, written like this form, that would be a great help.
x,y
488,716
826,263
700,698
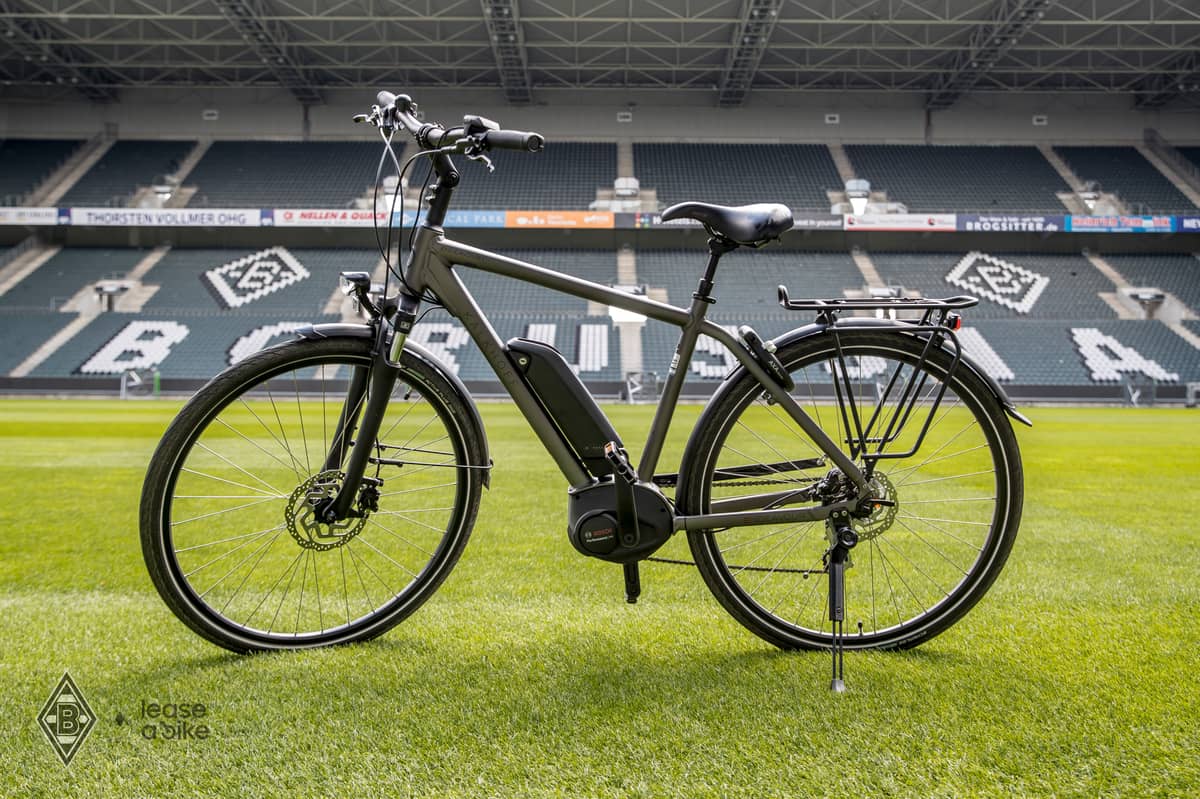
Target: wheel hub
x,y
882,515
303,522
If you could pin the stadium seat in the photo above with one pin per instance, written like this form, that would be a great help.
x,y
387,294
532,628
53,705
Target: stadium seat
x,y
797,175
25,163
113,180
1125,172
70,270
563,176
1176,273
980,179
283,174
1036,285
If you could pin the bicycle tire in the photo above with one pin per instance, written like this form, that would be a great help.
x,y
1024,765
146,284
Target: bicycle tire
x,y
903,584
225,532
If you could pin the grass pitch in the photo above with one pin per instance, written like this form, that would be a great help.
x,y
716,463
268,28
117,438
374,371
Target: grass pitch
x,y
527,674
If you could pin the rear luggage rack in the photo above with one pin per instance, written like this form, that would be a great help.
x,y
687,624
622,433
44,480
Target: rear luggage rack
x,y
867,304
869,434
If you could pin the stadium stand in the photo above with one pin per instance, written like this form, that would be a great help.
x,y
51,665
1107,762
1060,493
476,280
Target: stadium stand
x,y
746,281
980,179
277,279
588,343
1192,154
1034,285
1176,273
1047,352
66,273
127,165
798,175
24,163
24,331
277,174
198,346
1125,172
563,176
504,296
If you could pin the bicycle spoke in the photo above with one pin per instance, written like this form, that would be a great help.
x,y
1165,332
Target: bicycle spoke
x,y
226,554
226,510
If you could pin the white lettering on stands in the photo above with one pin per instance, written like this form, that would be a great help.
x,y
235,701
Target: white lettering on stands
x,y
138,345
258,338
441,339
723,359
975,347
593,344
1107,359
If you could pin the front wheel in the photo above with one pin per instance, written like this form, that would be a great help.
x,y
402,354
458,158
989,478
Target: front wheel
x,y
923,560
228,528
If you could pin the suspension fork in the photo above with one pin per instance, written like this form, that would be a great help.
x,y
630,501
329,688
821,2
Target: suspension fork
x,y
375,382
344,431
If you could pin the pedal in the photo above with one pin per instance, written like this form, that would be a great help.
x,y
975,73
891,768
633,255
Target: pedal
x,y
620,462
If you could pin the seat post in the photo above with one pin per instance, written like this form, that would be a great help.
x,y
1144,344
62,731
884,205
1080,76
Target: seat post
x,y
717,246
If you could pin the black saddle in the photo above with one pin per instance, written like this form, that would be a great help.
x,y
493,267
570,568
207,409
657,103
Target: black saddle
x,y
745,224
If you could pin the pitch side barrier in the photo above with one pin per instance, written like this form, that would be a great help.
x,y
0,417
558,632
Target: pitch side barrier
x,y
584,220
605,391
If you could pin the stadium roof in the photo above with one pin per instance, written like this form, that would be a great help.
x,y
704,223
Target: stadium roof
x,y
728,49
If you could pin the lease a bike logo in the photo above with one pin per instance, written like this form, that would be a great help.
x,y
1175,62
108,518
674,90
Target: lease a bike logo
x,y
66,719
1002,282
245,280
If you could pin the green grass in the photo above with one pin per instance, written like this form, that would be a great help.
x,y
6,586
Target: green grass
x,y
527,675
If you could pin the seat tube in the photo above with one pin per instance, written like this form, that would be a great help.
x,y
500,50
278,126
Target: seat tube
x,y
678,371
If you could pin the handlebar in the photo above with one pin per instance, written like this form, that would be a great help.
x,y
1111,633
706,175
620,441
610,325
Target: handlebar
x,y
396,110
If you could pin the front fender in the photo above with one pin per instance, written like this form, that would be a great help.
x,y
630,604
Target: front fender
x,y
354,330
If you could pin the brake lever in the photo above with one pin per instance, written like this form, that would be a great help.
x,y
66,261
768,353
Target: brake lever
x,y
472,148
483,159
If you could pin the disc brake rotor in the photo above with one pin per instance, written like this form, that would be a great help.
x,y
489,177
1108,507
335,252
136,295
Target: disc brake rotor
x,y
882,517
301,517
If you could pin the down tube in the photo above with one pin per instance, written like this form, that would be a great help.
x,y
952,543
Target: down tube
x,y
454,295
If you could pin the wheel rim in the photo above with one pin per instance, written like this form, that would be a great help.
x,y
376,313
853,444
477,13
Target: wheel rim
x,y
240,539
918,563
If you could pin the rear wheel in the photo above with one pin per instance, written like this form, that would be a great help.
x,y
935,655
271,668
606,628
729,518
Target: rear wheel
x,y
921,562
228,527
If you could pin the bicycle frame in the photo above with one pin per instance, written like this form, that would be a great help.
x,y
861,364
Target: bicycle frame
x,y
432,266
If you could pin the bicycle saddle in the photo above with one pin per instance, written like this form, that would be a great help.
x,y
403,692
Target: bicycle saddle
x,y
744,224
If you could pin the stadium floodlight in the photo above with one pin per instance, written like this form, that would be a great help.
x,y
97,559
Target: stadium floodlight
x,y
858,192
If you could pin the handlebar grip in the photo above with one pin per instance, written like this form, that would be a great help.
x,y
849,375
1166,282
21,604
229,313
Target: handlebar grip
x,y
514,140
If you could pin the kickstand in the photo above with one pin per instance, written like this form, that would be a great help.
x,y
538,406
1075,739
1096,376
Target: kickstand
x,y
845,539
633,583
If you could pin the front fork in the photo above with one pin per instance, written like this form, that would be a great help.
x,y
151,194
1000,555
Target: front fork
x,y
374,384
